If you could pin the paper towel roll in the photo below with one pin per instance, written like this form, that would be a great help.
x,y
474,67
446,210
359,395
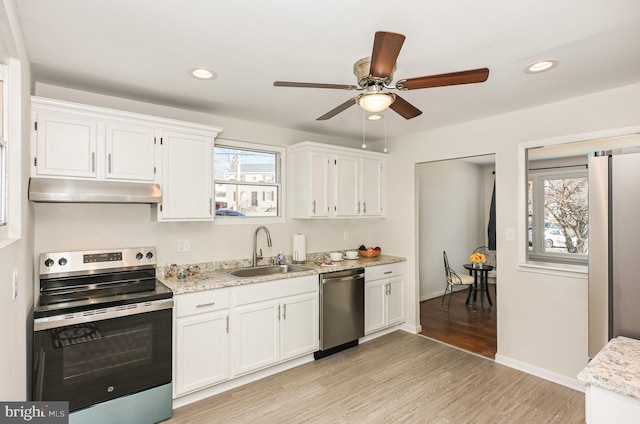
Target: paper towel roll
x,y
299,251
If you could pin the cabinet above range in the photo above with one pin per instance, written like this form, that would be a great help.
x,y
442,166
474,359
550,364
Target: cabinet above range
x,y
336,182
80,142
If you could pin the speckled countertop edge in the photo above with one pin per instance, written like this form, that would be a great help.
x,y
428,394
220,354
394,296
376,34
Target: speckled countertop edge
x,y
616,367
210,278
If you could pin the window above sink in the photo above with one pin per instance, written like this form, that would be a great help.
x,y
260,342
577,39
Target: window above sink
x,y
248,182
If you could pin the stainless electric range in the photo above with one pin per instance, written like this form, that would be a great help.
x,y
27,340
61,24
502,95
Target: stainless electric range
x,y
103,335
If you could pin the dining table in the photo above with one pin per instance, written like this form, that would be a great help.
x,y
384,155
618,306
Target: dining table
x,y
480,272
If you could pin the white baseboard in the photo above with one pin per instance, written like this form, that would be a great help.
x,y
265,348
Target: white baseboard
x,y
434,295
239,381
563,380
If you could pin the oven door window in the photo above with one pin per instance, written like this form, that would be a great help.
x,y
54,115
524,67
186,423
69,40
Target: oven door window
x,y
96,361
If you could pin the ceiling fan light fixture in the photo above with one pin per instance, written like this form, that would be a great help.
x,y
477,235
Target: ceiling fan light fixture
x,y
541,66
375,102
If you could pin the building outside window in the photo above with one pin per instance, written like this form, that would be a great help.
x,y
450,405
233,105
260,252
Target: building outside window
x,y
559,215
247,180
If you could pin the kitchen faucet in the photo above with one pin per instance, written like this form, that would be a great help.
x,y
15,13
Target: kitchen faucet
x,y
255,244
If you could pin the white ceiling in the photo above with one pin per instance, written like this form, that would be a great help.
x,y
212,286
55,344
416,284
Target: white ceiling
x,y
143,49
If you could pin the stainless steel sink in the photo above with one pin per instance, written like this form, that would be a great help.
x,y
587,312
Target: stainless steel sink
x,y
267,270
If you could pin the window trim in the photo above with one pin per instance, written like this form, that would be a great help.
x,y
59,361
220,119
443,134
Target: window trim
x,y
522,160
538,254
4,147
280,151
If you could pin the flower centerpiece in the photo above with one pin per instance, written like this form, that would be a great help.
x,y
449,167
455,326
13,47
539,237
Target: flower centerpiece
x,y
477,259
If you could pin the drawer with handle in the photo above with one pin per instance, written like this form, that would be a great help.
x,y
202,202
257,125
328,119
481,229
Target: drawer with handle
x,y
201,302
383,271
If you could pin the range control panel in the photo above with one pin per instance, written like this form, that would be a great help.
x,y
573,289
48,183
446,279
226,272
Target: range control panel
x,y
92,260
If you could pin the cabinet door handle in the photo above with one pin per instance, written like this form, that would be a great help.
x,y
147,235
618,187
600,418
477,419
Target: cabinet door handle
x,y
278,312
227,324
314,207
284,311
202,305
358,207
210,207
364,207
109,162
388,272
93,162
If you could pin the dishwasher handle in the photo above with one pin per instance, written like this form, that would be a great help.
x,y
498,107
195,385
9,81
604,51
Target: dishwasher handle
x,y
339,279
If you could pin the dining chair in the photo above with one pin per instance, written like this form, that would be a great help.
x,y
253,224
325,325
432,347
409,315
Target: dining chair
x,y
490,255
453,279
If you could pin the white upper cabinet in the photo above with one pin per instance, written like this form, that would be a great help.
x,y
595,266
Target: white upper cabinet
x,y
347,186
76,141
130,151
336,182
310,182
187,177
371,187
66,145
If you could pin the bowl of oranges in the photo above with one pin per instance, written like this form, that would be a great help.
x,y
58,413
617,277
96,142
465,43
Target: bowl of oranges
x,y
369,252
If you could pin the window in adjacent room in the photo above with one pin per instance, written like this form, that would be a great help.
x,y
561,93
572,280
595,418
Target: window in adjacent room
x,y
247,180
3,146
558,218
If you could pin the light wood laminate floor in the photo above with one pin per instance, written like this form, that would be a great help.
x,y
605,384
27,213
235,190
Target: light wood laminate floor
x,y
397,378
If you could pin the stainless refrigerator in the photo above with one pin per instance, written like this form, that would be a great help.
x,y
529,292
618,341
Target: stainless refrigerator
x,y
614,246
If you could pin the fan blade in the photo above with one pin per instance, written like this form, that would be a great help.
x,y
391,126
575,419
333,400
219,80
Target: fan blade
x,y
386,48
442,80
313,85
404,108
333,112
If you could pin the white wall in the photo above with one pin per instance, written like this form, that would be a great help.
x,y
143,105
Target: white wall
x,y
16,245
542,319
451,218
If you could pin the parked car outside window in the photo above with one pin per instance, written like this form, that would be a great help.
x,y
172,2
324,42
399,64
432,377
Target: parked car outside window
x,y
228,212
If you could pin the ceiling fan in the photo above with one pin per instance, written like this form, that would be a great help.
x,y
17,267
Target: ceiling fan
x,y
375,74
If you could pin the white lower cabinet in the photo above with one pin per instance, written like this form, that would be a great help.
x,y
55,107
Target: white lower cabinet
x,y
201,356
260,324
282,327
384,296
257,329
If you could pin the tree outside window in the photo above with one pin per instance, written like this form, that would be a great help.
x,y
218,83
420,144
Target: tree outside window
x,y
559,215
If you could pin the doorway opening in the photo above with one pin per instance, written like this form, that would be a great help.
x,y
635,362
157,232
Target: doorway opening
x,y
455,199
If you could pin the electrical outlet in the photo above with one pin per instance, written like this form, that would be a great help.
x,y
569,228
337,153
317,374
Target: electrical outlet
x,y
346,235
184,246
15,285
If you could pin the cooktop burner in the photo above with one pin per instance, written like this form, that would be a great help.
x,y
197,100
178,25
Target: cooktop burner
x,y
79,281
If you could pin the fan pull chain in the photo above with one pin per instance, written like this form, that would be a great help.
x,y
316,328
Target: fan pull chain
x,y
385,135
364,144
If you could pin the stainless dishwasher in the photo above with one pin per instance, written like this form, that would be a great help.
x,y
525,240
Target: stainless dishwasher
x,y
341,310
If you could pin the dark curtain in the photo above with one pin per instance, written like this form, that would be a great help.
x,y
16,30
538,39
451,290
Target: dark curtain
x,y
491,229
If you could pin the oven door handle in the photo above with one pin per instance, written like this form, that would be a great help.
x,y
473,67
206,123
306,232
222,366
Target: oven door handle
x,y
101,314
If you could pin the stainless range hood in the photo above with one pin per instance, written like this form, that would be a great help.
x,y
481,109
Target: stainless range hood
x,y
53,190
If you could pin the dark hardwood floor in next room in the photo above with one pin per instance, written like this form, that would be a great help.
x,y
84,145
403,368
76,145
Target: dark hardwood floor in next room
x,y
461,326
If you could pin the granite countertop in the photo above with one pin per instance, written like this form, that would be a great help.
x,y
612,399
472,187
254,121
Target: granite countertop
x,y
616,367
208,279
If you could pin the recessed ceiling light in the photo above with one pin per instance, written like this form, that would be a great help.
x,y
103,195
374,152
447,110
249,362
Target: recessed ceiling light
x,y
541,66
202,73
374,117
